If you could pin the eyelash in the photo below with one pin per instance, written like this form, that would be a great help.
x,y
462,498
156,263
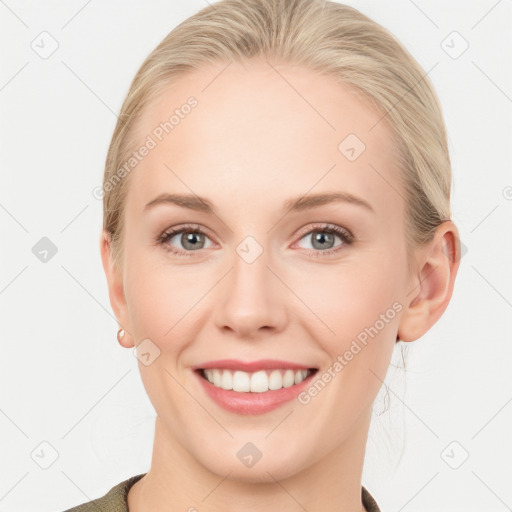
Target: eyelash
x,y
344,234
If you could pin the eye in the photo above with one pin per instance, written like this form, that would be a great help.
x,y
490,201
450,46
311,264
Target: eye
x,y
323,237
192,238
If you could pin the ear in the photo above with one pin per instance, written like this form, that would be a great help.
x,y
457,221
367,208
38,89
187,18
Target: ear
x,y
432,285
115,289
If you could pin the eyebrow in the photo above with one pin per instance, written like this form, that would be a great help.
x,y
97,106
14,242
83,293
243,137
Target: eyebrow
x,y
201,204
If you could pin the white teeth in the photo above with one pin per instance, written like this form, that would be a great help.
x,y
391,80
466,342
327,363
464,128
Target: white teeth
x,y
217,378
300,375
257,382
275,380
226,381
241,381
288,379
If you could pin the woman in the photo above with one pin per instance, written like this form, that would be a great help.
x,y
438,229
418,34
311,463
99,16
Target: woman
x,y
254,134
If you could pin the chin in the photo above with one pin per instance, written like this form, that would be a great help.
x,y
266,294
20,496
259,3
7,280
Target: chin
x,y
267,469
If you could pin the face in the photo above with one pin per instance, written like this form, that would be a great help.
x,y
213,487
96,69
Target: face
x,y
261,272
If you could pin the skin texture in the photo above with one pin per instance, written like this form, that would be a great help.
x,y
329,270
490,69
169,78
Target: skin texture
x,y
253,142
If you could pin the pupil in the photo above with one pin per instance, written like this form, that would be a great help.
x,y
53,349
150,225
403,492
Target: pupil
x,y
190,238
322,237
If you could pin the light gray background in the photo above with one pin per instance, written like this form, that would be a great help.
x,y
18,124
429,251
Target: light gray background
x,y
65,379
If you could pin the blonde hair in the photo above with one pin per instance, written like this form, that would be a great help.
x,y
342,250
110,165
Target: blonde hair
x,y
329,38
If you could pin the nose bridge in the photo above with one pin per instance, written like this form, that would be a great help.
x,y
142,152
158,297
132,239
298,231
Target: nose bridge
x,y
251,299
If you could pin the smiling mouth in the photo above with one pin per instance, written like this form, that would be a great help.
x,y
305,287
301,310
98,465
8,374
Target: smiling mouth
x,y
255,382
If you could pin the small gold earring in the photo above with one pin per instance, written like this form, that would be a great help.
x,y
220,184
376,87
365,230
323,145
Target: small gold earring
x,y
120,335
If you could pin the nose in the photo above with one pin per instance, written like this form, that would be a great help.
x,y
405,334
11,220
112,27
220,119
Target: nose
x,y
252,300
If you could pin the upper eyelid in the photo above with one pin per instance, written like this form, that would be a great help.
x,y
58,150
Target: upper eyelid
x,y
321,226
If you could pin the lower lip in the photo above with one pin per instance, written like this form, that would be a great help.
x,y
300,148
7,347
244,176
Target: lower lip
x,y
252,403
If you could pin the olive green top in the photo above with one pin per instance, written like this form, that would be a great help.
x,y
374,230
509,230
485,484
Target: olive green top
x,y
115,499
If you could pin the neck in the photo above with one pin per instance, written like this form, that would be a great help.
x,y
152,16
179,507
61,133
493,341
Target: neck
x,y
178,482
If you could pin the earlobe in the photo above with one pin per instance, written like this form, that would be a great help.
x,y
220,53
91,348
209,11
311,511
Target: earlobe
x,y
432,286
115,290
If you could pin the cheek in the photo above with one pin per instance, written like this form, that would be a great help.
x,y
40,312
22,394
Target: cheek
x,y
164,300
349,298
164,308
359,304
151,307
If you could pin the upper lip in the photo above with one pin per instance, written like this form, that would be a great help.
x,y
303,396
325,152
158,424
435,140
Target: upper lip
x,y
251,366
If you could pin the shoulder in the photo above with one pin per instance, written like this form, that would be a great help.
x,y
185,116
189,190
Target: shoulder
x,y
113,501
368,500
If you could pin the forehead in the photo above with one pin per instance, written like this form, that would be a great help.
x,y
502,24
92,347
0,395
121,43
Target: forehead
x,y
263,132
